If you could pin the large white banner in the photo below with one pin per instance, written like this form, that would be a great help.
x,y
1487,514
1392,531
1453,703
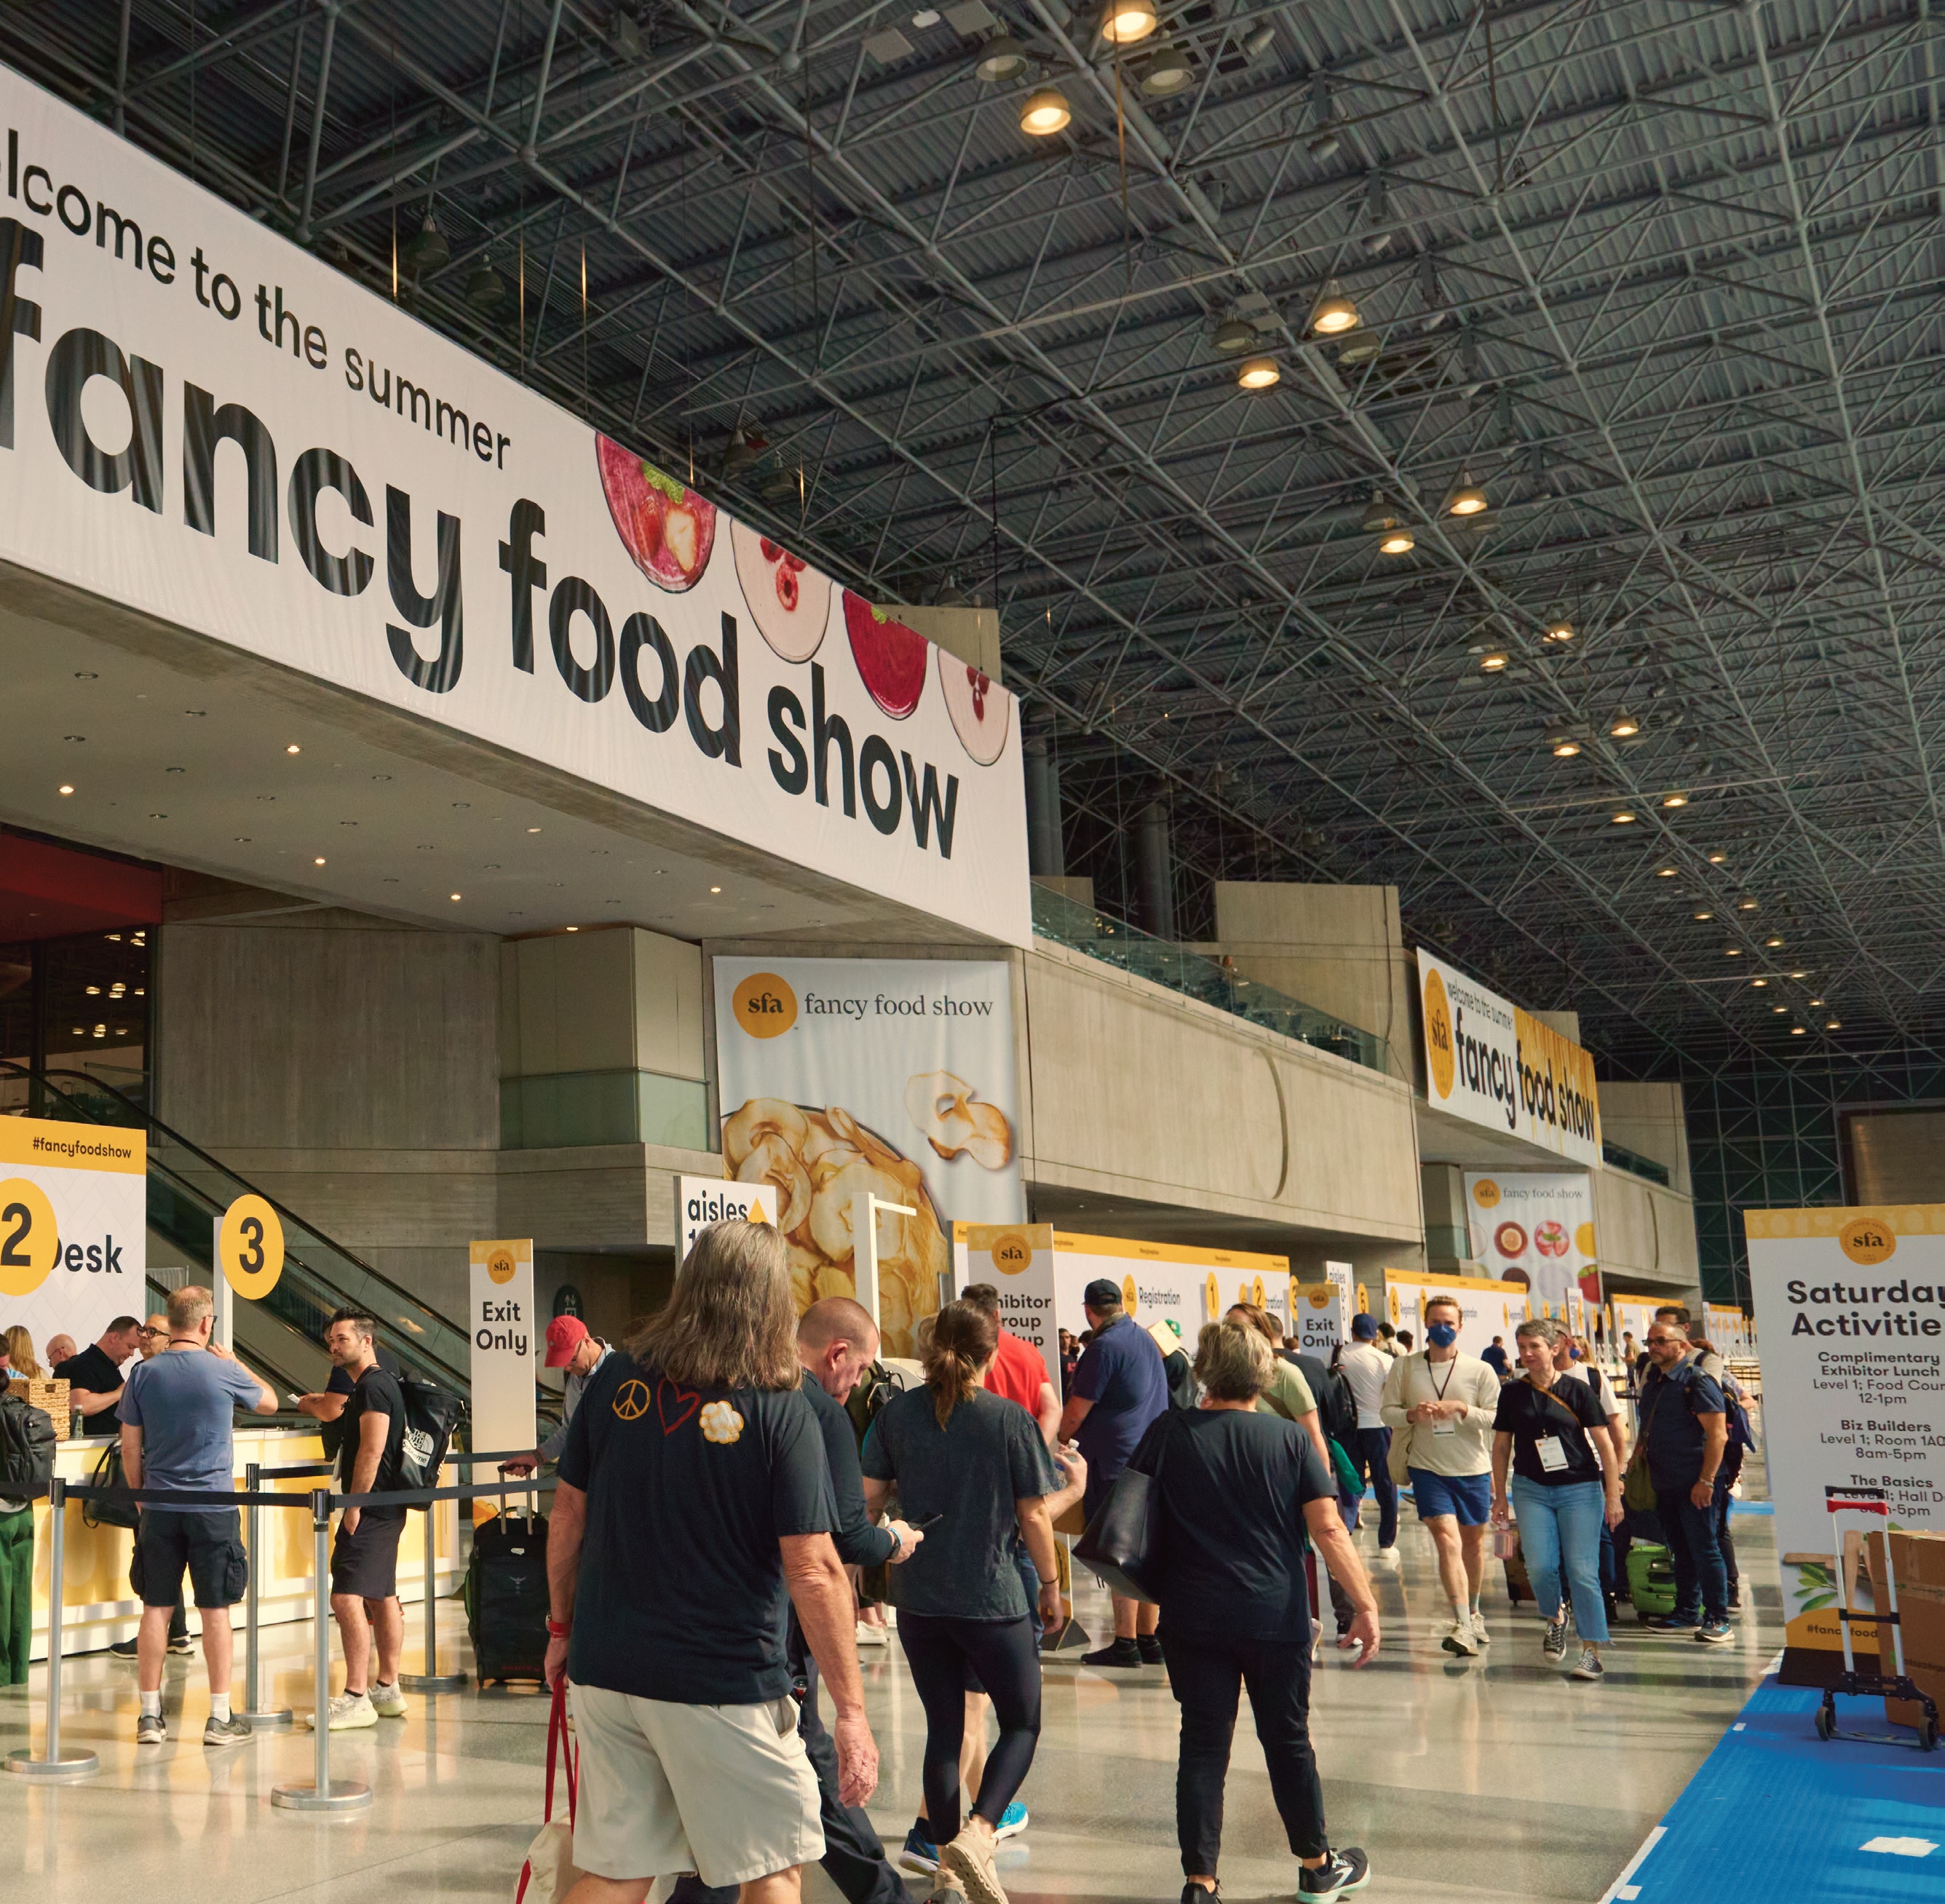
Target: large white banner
x,y
889,1075
200,420
1851,1307
73,1228
1490,1062
1487,1308
1535,1229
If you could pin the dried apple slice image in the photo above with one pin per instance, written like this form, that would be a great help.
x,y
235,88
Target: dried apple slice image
x,y
980,713
890,657
788,600
664,525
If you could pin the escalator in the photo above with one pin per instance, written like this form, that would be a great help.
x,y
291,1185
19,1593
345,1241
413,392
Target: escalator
x,y
282,1335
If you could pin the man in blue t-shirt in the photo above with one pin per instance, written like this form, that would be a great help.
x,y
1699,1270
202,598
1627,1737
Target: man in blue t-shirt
x,y
1684,1432
1119,1386
178,1413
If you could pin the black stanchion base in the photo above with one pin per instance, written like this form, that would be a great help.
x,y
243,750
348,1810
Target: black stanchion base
x,y
434,1682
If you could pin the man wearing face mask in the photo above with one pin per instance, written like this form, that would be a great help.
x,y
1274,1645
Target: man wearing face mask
x,y
1441,1402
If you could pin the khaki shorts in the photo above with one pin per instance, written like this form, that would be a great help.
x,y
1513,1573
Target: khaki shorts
x,y
727,1791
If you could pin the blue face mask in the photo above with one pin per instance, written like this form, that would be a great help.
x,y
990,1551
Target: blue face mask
x,y
1441,1335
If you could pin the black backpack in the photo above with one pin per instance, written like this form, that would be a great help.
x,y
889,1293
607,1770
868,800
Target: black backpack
x,y
26,1449
1336,1407
432,1415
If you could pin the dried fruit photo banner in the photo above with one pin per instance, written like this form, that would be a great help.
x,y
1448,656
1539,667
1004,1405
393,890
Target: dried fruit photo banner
x,y
200,421
1535,1229
893,1077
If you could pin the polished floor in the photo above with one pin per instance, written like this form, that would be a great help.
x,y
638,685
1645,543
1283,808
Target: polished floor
x,y
1488,1778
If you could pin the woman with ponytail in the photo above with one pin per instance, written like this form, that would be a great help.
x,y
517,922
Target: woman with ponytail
x,y
971,1469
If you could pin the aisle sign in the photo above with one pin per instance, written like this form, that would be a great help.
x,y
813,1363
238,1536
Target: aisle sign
x,y
501,1325
1851,1307
1342,1277
1017,1258
73,1226
701,1201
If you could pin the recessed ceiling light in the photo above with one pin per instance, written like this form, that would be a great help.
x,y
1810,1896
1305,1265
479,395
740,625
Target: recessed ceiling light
x,y
1675,799
716,889
294,748
455,896
533,829
574,929
66,789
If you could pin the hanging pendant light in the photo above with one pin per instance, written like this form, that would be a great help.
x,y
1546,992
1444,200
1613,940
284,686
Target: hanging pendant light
x,y
1000,59
1467,499
1624,727
1396,542
1258,374
1334,313
1168,73
427,250
1124,22
1379,517
1559,629
1045,112
1235,333
485,288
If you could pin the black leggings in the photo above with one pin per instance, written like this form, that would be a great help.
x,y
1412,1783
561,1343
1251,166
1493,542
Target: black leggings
x,y
1005,1654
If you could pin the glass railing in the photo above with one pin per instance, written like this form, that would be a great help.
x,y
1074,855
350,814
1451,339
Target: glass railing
x,y
1620,1157
1113,942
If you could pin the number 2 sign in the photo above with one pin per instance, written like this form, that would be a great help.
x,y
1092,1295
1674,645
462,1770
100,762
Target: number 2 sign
x,y
29,1242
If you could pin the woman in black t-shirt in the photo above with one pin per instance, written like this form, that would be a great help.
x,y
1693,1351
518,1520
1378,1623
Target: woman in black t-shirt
x,y
971,1469
1564,1482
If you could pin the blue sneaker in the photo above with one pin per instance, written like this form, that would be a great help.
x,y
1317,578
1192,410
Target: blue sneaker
x,y
1012,1820
921,1854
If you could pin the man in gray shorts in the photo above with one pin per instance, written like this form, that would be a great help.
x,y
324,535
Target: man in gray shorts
x,y
694,1510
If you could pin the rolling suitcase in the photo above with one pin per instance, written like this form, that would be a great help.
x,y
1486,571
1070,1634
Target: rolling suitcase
x,y
507,1597
1650,1580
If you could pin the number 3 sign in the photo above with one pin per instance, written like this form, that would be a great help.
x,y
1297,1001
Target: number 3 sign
x,y
250,1246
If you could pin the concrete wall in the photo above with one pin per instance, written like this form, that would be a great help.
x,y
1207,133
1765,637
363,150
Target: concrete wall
x,y
1140,1092
1646,1236
1340,948
618,1000
1647,1119
1896,1157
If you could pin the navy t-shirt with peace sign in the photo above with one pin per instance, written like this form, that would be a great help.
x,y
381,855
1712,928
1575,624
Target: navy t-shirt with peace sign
x,y
681,1594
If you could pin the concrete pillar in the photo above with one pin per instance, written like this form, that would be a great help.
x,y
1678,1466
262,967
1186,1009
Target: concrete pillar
x,y
1156,863
1046,846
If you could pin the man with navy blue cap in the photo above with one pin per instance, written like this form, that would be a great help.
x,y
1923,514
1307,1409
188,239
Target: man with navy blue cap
x,y
1364,1365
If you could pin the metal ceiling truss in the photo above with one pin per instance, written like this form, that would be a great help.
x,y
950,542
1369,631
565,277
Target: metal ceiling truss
x,y
1662,276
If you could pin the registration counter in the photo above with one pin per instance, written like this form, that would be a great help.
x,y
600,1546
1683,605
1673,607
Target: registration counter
x,y
99,1607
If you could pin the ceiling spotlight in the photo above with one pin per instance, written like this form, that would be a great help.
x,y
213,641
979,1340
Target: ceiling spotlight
x,y
1492,663
1675,799
317,862
1124,22
1716,859
1468,499
485,288
455,896
1396,542
1831,1024
1664,872
1357,347
1000,59
1558,630
716,889
1168,73
1705,915
1045,113
1334,314
1816,1001
1258,374
1772,943
1624,816
1623,726
1805,974
1564,747
294,748
1779,1008
1235,333
1796,1031
65,790
1746,905
1259,42
1732,951
1759,983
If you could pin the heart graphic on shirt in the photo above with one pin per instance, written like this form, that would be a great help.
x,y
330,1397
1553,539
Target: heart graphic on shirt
x,y
675,1406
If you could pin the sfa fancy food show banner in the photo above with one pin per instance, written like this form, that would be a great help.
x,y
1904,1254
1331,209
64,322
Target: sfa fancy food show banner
x,y
1490,1063
1536,1229
1849,1308
889,1075
203,422
73,1228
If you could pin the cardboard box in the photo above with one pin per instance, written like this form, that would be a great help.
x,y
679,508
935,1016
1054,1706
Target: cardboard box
x,y
1919,1562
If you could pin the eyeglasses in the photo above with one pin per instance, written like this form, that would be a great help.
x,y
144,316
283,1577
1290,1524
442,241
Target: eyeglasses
x,y
151,1331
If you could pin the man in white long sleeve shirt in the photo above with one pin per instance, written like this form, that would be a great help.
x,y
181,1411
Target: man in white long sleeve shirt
x,y
1446,1400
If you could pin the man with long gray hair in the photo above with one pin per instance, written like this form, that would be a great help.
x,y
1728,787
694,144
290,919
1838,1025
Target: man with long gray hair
x,y
694,1511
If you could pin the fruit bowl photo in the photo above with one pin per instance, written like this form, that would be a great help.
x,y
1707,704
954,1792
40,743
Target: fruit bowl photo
x,y
1509,1239
1550,1238
664,525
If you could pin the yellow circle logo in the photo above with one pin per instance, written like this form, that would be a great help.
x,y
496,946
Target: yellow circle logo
x,y
1363,1300
500,1266
29,1242
1012,1254
1128,1294
631,1400
1212,1298
764,1005
1438,1034
1583,1240
1320,1298
1868,1240
1391,1297
1485,1193
250,1246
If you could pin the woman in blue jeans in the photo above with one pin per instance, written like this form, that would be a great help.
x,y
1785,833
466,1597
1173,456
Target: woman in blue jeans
x,y
1564,1483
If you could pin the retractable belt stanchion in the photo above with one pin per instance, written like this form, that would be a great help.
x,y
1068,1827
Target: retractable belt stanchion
x,y
54,1763
321,1795
253,1702
432,1680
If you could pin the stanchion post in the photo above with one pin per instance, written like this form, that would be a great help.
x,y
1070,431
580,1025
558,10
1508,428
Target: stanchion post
x,y
432,1680
252,1703
54,1764
347,1795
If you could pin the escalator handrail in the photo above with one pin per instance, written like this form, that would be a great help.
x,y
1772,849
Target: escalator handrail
x,y
152,1122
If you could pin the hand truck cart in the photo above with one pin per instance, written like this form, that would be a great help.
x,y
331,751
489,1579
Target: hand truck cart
x,y
1872,1510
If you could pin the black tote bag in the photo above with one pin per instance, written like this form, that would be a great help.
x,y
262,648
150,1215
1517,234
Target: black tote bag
x,y
1123,1544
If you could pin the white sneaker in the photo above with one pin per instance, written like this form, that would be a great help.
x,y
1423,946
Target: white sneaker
x,y
349,1712
387,1701
871,1634
1479,1632
1461,1639
1389,1556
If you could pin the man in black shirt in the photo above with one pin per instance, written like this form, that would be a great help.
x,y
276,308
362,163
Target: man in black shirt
x,y
364,1558
327,1406
93,1377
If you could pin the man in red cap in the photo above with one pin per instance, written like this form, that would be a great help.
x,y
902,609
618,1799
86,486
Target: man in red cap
x,y
569,1346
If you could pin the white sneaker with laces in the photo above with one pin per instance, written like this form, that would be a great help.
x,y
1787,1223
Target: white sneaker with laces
x,y
1479,1632
349,1712
1553,1643
387,1701
869,1634
1461,1639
